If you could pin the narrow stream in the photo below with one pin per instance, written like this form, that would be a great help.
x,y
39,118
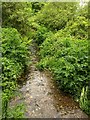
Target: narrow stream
x,y
43,99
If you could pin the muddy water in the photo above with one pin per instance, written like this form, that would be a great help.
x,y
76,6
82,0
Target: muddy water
x,y
43,99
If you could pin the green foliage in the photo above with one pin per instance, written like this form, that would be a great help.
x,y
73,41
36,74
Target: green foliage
x,y
83,11
55,15
36,6
78,27
41,34
60,29
16,15
13,47
17,111
38,33
84,101
65,52
14,60
67,58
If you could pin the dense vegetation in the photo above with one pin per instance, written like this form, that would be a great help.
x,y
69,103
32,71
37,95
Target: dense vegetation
x,y
65,53
61,35
14,61
67,58
15,55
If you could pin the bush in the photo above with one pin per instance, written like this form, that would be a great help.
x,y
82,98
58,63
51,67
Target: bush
x,y
78,27
67,58
16,15
55,15
14,60
41,34
13,46
38,33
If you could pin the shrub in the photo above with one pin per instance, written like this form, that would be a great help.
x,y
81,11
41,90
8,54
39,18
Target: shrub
x,y
67,58
41,34
14,60
16,15
55,15
38,33
78,27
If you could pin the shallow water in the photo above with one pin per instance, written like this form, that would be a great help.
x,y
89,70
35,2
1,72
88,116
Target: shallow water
x,y
43,99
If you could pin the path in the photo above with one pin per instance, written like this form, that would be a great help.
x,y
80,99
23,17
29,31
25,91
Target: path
x,y
44,100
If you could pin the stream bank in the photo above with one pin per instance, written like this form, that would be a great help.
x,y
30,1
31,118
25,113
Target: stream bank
x,y
42,97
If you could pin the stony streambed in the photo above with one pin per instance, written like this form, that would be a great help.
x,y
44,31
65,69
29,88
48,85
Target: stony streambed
x,y
43,99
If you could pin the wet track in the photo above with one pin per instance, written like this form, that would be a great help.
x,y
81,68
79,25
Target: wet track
x,y
43,99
